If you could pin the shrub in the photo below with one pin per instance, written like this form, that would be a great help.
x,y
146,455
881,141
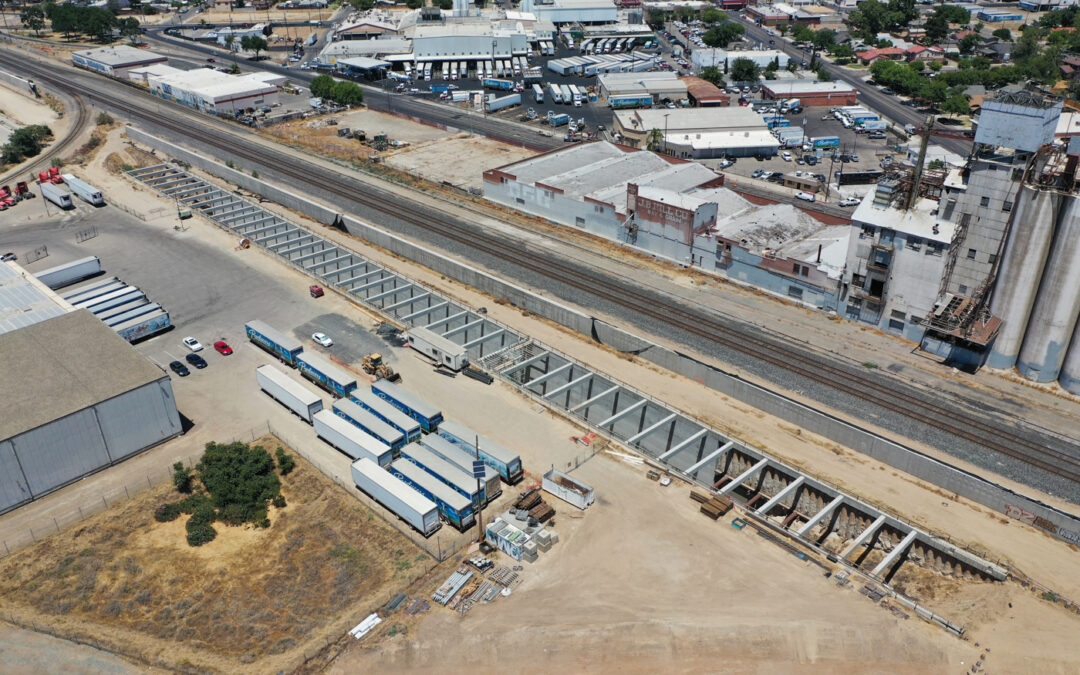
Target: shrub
x,y
166,513
189,504
104,119
182,478
199,533
204,514
279,501
285,462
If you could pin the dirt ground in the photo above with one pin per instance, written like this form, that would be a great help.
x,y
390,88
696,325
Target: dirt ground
x,y
250,597
19,110
470,157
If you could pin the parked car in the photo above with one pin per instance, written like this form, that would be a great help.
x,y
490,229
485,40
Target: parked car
x,y
786,156
726,163
179,368
222,348
877,135
9,257
196,360
850,201
192,344
315,290
806,196
322,339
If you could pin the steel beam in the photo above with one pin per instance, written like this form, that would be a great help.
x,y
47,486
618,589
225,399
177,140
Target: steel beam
x,y
256,235
300,245
863,536
680,446
325,263
188,190
343,270
594,399
463,327
645,432
715,454
779,496
897,551
287,242
752,471
392,291
544,377
821,515
365,275
483,338
447,319
514,367
426,310
226,216
304,258
382,281
623,413
571,383
407,301
250,223
215,196
184,178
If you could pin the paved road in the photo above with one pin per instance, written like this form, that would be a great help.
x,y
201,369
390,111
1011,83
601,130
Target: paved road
x,y
869,96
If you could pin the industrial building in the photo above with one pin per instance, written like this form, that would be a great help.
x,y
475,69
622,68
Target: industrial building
x,y
704,94
76,397
723,58
810,92
698,133
661,86
214,92
115,61
584,12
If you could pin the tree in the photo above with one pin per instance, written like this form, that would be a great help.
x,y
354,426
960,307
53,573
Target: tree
x,y
802,33
744,70
953,14
414,4
824,38
722,35
1003,34
285,461
654,139
240,480
445,5
182,478
362,5
253,43
711,15
711,74
230,42
129,28
968,43
956,105
25,142
33,17
937,28
770,71
234,69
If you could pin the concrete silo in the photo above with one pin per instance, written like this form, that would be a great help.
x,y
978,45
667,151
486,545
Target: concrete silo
x,y
1070,370
1021,269
1057,305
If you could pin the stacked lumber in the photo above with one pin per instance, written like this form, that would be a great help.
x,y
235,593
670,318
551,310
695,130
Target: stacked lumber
x,y
712,506
543,512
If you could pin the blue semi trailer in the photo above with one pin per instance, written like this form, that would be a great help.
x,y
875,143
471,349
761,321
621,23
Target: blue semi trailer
x,y
273,341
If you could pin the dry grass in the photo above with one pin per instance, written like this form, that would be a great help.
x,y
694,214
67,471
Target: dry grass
x,y
252,596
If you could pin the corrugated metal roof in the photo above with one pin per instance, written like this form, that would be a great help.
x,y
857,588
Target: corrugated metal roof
x,y
24,301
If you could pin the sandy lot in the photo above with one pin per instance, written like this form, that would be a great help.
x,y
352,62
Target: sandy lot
x,y
18,110
469,157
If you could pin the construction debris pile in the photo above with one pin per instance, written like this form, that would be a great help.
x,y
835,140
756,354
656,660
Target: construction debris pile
x,y
482,583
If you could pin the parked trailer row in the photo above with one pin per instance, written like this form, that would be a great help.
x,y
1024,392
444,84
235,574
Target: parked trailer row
x,y
68,273
324,373
274,341
87,192
348,410
396,496
442,350
90,289
455,509
144,326
292,395
382,409
423,412
456,479
459,457
57,195
351,440
503,460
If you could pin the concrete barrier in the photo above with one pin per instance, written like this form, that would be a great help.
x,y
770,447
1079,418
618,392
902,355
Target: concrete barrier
x,y
1056,522
20,83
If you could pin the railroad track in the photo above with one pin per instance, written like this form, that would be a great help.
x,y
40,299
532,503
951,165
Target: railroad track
x,y
710,328
82,116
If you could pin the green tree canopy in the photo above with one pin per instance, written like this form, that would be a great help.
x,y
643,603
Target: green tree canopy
x,y
956,105
253,43
1003,34
33,17
711,74
722,35
744,70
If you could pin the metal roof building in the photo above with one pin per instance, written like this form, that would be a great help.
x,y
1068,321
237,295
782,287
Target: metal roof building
x,y
115,60
76,398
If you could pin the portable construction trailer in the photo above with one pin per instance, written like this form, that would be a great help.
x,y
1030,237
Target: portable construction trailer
x,y
461,482
292,395
423,412
87,192
350,439
443,351
463,459
396,495
324,373
273,341
69,273
455,509
570,490
505,461
369,424
381,408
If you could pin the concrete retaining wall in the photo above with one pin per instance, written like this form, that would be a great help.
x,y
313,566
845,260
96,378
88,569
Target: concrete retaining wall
x,y
1058,523
20,83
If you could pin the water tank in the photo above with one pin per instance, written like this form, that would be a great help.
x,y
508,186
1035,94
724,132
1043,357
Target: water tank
x,y
1058,303
1070,371
1021,269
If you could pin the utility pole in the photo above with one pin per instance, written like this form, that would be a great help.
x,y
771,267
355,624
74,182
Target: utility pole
x,y
478,472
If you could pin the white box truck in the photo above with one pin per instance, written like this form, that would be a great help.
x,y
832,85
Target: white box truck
x,y
350,439
57,195
87,192
293,395
392,492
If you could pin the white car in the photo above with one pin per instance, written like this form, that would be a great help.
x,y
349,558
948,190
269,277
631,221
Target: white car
x,y
850,201
192,344
806,196
786,156
322,339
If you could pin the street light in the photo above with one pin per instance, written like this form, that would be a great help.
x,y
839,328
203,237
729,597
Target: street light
x,y
666,133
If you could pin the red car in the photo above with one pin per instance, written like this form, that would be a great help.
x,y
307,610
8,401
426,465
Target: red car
x,y
222,348
315,290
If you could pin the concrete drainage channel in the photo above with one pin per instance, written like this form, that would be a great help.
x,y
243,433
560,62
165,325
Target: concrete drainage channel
x,y
806,509
372,285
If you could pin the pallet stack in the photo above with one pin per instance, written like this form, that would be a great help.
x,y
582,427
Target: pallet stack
x,y
712,506
543,512
528,499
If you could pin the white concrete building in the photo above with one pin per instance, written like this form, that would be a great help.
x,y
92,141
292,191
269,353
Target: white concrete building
x,y
215,92
573,11
469,40
692,133
115,61
723,58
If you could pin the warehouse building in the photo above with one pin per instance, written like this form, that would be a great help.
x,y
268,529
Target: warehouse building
x,y
703,94
697,133
215,92
467,41
810,92
724,58
662,86
584,12
76,397
115,61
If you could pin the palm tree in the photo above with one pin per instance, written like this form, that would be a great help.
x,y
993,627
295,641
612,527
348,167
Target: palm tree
x,y
654,139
